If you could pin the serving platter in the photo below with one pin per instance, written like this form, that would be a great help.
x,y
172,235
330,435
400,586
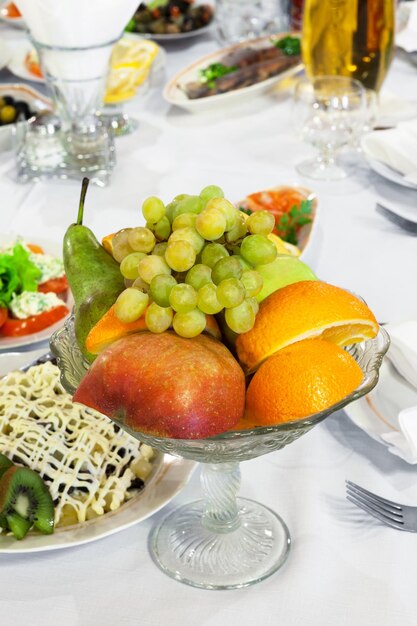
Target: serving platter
x,y
174,90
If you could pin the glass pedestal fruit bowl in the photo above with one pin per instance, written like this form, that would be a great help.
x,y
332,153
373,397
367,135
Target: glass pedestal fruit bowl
x,y
221,541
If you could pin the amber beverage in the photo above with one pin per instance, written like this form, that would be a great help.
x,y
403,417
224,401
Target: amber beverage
x,y
349,38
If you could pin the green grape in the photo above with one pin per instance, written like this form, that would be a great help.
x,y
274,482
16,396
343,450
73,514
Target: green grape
x,y
207,299
254,304
258,250
188,234
239,229
183,220
141,239
198,276
211,224
227,208
120,245
240,318
252,282
180,255
260,223
158,318
183,298
169,210
153,209
189,324
245,265
230,292
160,288
128,282
213,252
152,265
160,248
189,204
129,265
162,229
141,285
211,191
228,267
130,305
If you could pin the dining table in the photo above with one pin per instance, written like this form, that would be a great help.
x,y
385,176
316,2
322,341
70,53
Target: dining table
x,y
344,567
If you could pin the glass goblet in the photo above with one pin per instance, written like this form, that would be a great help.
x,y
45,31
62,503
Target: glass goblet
x,y
222,542
327,112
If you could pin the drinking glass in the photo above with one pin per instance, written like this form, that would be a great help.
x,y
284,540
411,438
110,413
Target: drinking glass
x,y
349,38
327,113
221,541
238,20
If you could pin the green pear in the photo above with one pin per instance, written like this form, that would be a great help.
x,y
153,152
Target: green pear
x,y
281,272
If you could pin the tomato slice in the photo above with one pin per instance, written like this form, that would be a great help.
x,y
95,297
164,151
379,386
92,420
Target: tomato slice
x,y
56,285
4,314
29,325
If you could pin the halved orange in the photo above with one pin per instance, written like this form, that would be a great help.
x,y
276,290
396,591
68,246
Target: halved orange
x,y
305,310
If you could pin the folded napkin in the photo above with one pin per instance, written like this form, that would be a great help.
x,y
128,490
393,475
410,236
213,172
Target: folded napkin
x,y
403,355
396,147
407,37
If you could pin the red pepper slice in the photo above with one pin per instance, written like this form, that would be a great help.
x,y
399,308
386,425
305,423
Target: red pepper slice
x,y
4,314
29,325
56,285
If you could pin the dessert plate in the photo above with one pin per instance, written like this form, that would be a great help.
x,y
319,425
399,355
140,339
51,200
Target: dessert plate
x,y
9,343
170,476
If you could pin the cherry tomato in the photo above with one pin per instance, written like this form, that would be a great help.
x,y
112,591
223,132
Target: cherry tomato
x,y
3,315
277,201
29,325
56,285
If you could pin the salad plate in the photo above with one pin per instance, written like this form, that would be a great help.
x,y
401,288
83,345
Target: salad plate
x,y
9,343
175,90
170,476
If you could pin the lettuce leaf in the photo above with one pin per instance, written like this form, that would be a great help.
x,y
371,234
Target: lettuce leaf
x,y
17,274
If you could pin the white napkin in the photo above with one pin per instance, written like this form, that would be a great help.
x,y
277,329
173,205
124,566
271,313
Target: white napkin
x,y
407,37
403,355
396,147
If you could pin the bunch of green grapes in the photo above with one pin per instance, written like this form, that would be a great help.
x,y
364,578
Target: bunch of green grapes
x,y
196,256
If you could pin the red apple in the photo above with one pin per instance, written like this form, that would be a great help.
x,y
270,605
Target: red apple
x,y
165,385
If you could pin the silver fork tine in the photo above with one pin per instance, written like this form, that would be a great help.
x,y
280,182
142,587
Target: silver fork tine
x,y
395,515
392,507
382,518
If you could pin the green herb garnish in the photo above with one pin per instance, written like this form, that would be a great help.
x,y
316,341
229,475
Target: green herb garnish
x,y
210,74
17,274
290,222
290,46
245,210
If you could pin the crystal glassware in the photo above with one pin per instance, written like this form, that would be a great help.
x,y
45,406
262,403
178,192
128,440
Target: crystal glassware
x,y
221,541
238,20
328,111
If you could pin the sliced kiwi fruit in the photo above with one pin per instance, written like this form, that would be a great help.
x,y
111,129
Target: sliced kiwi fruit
x,y
5,463
18,525
24,494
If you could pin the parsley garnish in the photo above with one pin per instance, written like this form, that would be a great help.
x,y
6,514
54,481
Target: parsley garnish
x,y
210,74
290,222
289,45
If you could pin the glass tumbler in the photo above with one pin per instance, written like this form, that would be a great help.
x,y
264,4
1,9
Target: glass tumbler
x,y
238,20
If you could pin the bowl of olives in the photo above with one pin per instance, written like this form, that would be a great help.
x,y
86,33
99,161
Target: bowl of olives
x,y
18,104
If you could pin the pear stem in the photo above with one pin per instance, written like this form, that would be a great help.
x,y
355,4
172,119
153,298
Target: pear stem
x,y
84,188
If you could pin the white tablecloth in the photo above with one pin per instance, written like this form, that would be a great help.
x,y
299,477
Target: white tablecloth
x,y
344,569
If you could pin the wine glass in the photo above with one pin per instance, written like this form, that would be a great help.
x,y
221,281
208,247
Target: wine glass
x,y
327,113
221,542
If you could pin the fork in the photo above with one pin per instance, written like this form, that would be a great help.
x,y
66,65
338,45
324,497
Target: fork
x,y
390,513
407,224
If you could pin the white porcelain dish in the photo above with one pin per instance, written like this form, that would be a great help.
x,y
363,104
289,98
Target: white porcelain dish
x,y
9,343
174,90
390,174
16,64
36,101
17,22
5,54
170,477
377,413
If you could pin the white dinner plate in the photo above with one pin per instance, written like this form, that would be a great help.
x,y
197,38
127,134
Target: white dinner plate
x,y
5,54
174,90
169,478
18,22
377,412
389,173
16,64
9,343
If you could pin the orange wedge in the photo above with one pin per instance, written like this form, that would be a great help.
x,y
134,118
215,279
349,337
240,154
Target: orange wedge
x,y
109,329
106,242
305,310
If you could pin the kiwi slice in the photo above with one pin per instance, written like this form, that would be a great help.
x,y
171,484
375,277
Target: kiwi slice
x,y
5,463
18,525
22,491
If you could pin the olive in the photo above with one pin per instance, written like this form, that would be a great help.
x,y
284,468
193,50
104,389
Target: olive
x,y
7,114
22,108
8,100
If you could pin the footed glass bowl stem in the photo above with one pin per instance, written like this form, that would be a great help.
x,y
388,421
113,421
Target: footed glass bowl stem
x,y
220,542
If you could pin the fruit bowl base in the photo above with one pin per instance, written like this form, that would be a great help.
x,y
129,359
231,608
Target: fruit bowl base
x,y
185,549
